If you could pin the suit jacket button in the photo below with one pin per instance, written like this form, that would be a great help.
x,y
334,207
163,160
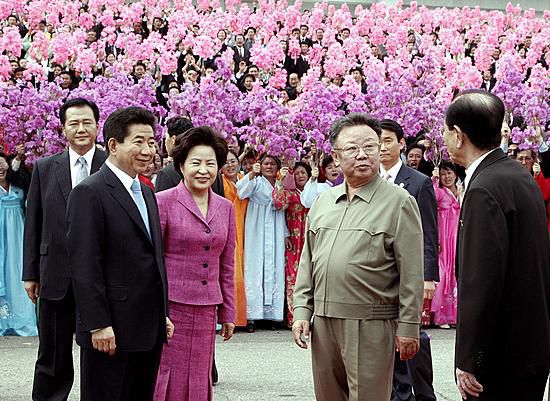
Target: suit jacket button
x,y
204,282
205,265
207,231
206,248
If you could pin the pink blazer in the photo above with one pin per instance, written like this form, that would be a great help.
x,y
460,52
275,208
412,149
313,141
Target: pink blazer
x,y
199,253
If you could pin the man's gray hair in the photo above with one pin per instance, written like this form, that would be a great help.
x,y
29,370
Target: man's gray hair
x,y
353,120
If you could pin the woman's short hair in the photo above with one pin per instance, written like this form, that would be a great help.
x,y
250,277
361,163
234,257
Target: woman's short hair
x,y
326,161
197,136
265,156
306,166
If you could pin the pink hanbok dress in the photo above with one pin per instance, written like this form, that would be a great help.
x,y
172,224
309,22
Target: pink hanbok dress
x,y
444,302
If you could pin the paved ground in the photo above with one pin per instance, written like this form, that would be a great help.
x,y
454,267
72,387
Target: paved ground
x,y
263,366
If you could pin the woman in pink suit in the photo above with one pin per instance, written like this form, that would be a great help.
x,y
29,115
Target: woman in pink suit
x,y
444,302
198,229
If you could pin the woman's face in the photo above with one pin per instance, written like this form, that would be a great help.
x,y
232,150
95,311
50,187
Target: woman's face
x,y
269,168
173,92
447,177
200,168
300,177
111,58
248,162
525,158
248,83
3,168
231,167
332,172
221,35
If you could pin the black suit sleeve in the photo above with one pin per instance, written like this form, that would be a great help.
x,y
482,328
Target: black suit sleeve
x,y
85,227
427,204
33,229
481,277
163,181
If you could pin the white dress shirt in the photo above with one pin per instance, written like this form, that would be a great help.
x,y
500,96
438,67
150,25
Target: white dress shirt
x,y
392,172
470,170
126,180
75,166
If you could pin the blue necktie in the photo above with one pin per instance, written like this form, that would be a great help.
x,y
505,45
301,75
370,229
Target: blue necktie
x,y
140,203
82,172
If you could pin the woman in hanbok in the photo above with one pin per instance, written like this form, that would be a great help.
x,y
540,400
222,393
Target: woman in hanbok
x,y
313,187
447,193
286,196
264,244
231,176
17,313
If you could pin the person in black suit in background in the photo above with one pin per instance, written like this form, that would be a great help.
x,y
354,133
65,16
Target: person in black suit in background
x,y
413,379
117,267
45,257
240,53
502,350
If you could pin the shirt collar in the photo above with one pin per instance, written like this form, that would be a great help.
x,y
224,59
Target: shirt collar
x,y
393,171
88,156
126,180
473,167
365,193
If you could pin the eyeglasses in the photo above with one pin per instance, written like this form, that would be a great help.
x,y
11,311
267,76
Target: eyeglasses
x,y
353,150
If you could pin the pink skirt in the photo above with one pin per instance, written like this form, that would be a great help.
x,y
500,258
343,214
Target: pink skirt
x,y
185,372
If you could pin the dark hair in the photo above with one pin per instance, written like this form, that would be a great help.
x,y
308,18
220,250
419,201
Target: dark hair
x,y
306,166
233,153
352,120
326,161
9,173
117,124
446,165
414,145
66,73
249,76
252,66
178,125
358,69
77,102
249,28
139,63
197,136
265,156
393,126
304,26
479,114
239,34
18,69
345,29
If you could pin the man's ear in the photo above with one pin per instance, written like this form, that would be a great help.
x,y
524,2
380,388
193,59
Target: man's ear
x,y
335,157
112,146
402,144
460,136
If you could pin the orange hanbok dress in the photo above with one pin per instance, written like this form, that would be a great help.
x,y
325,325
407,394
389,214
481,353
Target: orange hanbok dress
x,y
239,205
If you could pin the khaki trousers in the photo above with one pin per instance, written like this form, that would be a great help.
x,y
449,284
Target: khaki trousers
x,y
353,359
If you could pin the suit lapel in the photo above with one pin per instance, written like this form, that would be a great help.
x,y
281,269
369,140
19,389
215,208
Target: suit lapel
x,y
121,195
491,158
187,201
63,174
98,160
402,178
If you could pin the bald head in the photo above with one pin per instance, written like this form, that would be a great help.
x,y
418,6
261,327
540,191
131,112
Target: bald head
x,y
479,114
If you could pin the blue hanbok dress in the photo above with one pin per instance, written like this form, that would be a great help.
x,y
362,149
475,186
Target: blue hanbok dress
x,y
264,251
17,312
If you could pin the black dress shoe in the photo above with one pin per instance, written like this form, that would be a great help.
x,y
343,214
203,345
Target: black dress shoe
x,y
250,328
214,373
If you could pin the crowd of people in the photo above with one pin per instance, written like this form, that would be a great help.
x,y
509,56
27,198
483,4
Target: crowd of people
x,y
249,215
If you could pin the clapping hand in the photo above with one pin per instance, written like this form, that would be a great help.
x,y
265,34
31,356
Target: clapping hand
x,y
256,169
435,172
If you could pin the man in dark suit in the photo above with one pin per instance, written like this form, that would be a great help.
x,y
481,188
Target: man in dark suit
x,y
240,53
45,258
502,350
413,380
168,177
117,267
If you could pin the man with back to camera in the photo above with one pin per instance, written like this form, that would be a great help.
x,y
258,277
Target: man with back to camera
x,y
360,273
502,352
45,257
117,266
413,380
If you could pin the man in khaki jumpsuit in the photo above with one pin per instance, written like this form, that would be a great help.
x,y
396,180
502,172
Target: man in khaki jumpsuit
x,y
361,273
